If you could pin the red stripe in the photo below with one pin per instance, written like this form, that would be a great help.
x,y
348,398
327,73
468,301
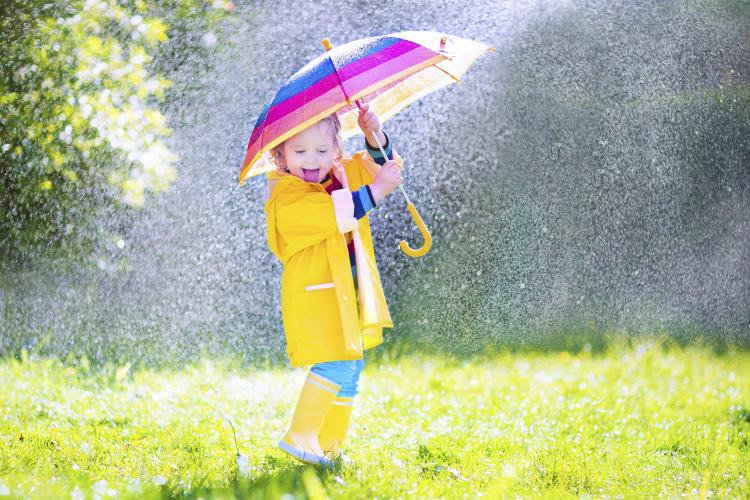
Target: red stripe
x,y
322,86
356,77
290,121
354,84
301,99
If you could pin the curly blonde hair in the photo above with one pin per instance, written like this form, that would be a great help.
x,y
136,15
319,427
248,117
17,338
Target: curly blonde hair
x,y
277,153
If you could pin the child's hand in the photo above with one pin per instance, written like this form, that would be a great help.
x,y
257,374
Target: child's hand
x,y
387,179
368,121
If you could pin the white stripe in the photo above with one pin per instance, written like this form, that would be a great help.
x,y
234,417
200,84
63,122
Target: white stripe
x,y
322,380
319,287
316,383
342,403
302,455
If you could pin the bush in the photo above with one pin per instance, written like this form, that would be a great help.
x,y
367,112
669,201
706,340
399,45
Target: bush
x,y
81,127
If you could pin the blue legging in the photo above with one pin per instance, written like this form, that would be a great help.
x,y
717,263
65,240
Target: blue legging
x,y
342,373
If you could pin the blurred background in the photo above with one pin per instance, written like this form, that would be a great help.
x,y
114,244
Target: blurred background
x,y
591,178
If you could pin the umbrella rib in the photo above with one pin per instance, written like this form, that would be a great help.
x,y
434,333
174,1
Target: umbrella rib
x,y
338,78
458,80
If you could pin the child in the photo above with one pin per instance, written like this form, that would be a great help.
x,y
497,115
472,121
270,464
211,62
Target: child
x,y
317,209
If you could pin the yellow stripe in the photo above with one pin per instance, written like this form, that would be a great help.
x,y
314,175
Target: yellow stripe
x,y
246,171
324,381
389,103
397,76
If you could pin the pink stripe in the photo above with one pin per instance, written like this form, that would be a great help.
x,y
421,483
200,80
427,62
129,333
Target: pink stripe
x,y
249,156
251,152
409,62
273,130
393,53
356,83
357,76
310,110
254,135
324,85
301,99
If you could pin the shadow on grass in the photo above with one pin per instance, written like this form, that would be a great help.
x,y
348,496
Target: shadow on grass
x,y
279,478
574,340
452,346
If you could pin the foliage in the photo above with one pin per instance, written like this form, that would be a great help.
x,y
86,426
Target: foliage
x,y
648,419
81,126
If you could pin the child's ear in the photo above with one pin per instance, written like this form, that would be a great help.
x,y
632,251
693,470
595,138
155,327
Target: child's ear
x,y
280,160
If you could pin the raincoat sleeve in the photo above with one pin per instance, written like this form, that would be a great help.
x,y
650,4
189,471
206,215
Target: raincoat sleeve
x,y
299,220
363,201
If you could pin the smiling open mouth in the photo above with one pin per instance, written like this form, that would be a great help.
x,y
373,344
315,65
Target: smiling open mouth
x,y
311,175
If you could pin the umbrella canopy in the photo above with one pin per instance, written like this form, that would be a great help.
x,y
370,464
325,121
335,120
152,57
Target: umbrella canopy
x,y
390,72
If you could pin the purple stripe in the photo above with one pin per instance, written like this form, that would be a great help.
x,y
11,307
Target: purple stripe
x,y
404,65
319,68
409,53
289,121
361,65
349,71
301,99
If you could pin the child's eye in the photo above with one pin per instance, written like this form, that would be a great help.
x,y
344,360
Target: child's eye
x,y
322,151
299,152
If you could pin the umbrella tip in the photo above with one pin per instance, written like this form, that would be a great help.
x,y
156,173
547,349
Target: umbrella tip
x,y
326,44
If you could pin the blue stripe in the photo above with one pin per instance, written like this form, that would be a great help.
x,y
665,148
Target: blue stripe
x,y
362,202
261,119
376,154
364,196
319,68
312,73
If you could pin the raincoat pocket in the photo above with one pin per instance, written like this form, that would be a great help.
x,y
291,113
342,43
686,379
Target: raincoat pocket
x,y
317,311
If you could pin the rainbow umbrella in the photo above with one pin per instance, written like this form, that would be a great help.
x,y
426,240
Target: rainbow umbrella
x,y
389,72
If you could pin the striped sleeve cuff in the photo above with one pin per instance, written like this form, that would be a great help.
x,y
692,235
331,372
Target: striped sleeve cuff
x,y
363,201
375,152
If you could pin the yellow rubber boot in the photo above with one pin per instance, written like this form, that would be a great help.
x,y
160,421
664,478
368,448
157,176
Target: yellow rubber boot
x,y
314,403
335,427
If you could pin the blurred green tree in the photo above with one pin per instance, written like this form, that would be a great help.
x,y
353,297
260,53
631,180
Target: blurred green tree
x,y
81,127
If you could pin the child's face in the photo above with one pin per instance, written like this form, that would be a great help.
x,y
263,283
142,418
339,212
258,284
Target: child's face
x,y
309,154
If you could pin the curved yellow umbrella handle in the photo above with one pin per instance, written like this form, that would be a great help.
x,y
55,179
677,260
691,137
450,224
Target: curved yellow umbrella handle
x,y
418,252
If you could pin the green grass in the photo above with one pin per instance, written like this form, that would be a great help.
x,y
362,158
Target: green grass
x,y
651,418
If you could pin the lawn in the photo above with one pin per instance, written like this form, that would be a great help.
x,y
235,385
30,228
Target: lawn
x,y
644,418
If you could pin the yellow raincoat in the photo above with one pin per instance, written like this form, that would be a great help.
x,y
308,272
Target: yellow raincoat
x,y
319,306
